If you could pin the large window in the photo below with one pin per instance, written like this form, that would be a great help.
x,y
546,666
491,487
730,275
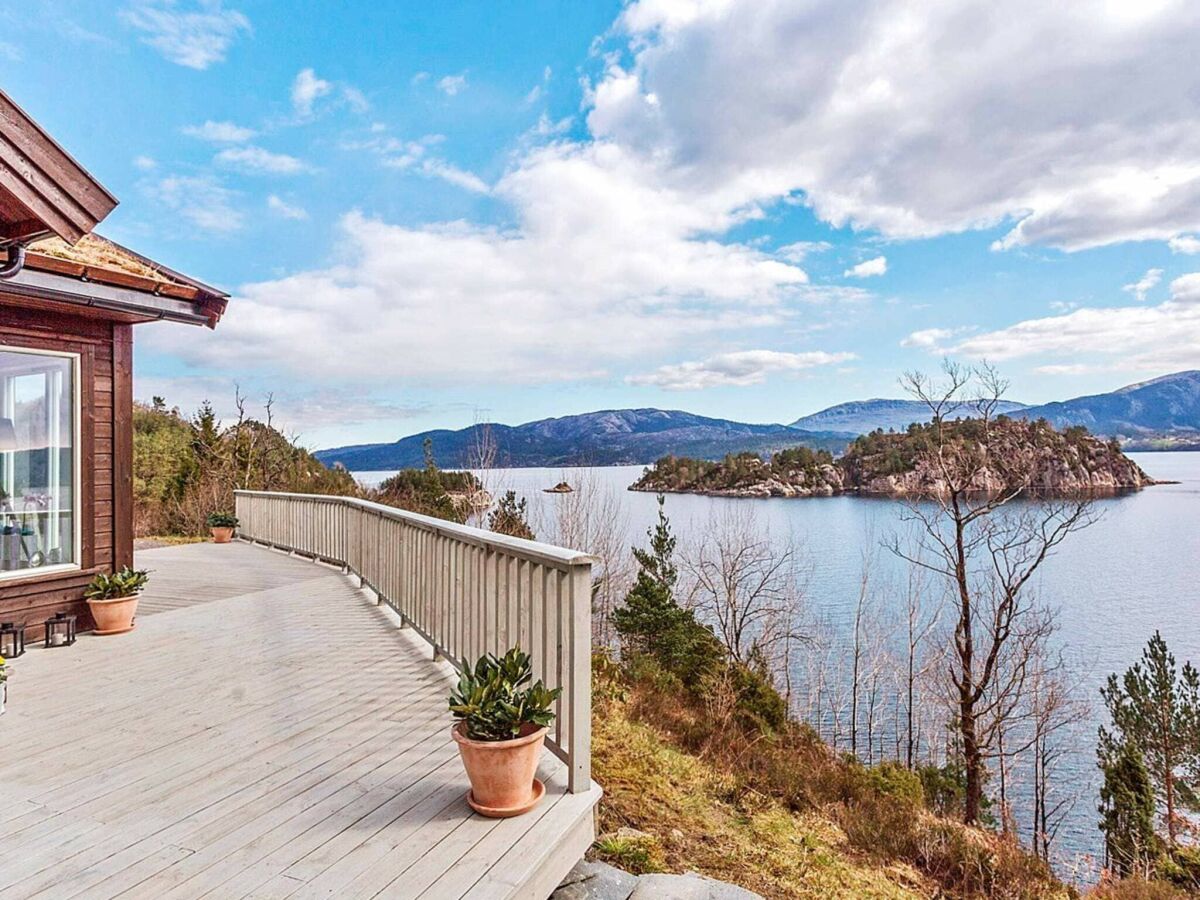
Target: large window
x,y
38,468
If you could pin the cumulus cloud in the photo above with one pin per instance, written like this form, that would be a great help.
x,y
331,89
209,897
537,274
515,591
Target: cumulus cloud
x,y
1144,285
738,369
258,160
307,89
286,210
1158,337
605,265
220,132
194,35
868,268
927,119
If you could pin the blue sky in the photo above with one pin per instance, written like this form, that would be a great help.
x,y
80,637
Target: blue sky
x,y
431,213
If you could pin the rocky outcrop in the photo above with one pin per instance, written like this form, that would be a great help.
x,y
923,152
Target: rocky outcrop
x,y
1030,456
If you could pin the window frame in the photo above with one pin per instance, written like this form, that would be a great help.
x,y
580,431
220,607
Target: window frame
x,y
76,564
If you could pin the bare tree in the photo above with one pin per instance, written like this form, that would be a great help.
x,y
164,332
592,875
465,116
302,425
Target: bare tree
x,y
592,518
986,548
747,587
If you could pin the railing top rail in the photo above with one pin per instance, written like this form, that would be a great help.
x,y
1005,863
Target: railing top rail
x,y
547,553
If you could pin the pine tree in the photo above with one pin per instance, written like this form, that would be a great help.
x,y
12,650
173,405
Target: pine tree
x,y
1156,709
1127,810
511,517
652,624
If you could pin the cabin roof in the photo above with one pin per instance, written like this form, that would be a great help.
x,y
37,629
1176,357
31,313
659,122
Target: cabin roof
x,y
96,260
43,190
50,204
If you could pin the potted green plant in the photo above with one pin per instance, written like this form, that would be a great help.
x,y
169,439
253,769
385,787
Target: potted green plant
x,y
113,599
221,526
501,728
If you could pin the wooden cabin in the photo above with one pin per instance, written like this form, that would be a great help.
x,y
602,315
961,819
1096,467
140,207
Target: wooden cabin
x,y
68,302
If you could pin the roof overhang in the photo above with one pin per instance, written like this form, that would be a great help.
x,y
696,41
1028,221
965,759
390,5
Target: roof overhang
x,y
123,303
42,189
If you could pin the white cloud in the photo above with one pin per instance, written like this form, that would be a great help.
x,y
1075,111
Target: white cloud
x,y
928,339
737,369
258,160
145,163
538,90
307,89
924,119
220,132
1184,243
868,268
469,181
452,85
287,210
1162,337
1144,285
356,99
605,265
800,250
1067,369
200,200
195,35
415,156
295,408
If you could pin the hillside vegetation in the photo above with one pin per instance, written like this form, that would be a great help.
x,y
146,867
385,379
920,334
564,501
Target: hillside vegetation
x,y
185,468
1014,453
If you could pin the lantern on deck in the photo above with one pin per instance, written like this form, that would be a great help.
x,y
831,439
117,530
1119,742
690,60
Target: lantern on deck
x,y
12,640
60,630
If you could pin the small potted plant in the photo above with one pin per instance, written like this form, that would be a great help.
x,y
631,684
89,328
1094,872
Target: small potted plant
x,y
113,599
221,526
503,720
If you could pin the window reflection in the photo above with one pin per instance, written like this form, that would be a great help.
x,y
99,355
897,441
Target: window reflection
x,y
37,460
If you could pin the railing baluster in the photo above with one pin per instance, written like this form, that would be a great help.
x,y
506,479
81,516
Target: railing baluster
x,y
465,590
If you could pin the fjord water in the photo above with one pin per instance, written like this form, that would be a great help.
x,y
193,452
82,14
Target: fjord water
x,y
1136,571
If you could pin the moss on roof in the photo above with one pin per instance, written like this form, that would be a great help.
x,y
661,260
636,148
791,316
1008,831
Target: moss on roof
x,y
93,250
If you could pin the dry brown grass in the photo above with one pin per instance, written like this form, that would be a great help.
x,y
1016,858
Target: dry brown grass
x,y
93,250
780,813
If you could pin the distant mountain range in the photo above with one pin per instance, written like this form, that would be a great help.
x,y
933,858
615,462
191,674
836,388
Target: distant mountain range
x,y
606,438
864,416
1161,413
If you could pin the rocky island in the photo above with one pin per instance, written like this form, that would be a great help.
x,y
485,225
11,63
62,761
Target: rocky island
x,y
1013,453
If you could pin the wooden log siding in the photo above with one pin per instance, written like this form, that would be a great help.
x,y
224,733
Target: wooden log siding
x,y
464,590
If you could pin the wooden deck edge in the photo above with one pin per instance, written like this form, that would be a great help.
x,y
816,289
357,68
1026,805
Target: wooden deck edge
x,y
547,869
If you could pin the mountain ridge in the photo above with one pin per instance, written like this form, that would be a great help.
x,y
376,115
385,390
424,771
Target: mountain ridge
x,y
1159,412
604,437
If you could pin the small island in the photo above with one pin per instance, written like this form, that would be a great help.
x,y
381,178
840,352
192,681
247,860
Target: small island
x,y
561,488
897,464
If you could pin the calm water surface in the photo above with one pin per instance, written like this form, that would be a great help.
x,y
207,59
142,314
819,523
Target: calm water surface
x,y
1113,585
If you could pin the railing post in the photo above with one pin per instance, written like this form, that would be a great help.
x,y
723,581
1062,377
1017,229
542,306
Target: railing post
x,y
579,680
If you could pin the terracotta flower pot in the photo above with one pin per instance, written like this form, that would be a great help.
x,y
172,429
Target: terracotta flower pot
x,y
502,772
114,616
222,535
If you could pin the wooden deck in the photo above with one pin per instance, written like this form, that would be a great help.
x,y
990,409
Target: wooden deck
x,y
266,731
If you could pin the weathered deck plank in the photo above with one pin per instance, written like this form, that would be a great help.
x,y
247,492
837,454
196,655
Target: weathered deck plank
x,y
266,731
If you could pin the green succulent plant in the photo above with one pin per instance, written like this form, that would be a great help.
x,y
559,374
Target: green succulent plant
x,y
222,520
123,583
494,698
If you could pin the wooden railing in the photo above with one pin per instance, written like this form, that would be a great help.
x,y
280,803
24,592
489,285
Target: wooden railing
x,y
465,590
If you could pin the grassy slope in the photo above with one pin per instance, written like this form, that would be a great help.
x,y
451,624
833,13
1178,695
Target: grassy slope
x,y
700,820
